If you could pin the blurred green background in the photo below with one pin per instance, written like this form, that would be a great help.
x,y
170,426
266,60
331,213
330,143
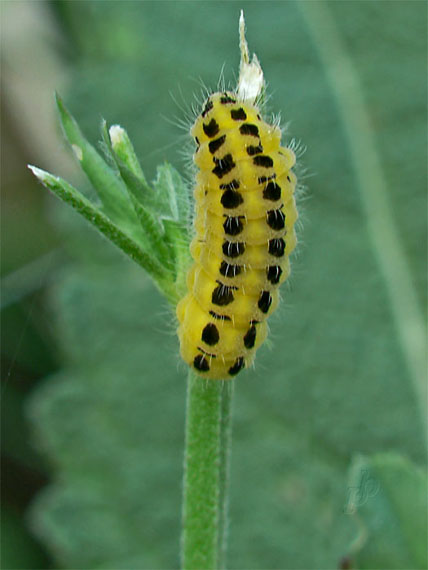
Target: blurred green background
x,y
93,392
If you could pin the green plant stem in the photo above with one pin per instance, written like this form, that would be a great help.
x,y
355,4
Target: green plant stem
x,y
225,453
206,457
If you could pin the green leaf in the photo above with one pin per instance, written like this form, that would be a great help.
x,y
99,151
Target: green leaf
x,y
74,198
109,187
168,199
163,245
172,195
149,203
125,152
138,192
126,162
388,502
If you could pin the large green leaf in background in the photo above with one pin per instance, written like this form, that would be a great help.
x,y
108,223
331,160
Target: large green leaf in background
x,y
388,499
335,381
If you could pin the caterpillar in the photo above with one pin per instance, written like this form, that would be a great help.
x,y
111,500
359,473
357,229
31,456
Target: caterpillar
x,y
244,233
244,220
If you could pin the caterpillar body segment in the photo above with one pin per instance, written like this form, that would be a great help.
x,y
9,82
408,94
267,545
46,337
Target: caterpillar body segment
x,y
211,330
244,234
250,272
239,229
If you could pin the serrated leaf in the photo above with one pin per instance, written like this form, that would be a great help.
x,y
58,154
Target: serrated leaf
x,y
168,199
388,502
178,236
120,149
109,187
137,189
150,223
172,192
74,198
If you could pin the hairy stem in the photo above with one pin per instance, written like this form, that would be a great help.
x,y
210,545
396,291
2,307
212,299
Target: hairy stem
x,y
225,452
205,473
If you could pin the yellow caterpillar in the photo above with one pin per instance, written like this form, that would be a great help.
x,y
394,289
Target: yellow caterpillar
x,y
244,221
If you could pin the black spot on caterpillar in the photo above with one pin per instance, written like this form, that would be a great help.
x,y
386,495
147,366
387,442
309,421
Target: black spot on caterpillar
x,y
276,219
219,317
211,129
222,295
264,179
263,160
272,192
233,226
216,144
277,247
229,270
231,199
234,185
210,334
208,106
237,367
247,129
265,301
273,273
233,249
238,114
226,98
223,165
250,337
252,150
200,363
